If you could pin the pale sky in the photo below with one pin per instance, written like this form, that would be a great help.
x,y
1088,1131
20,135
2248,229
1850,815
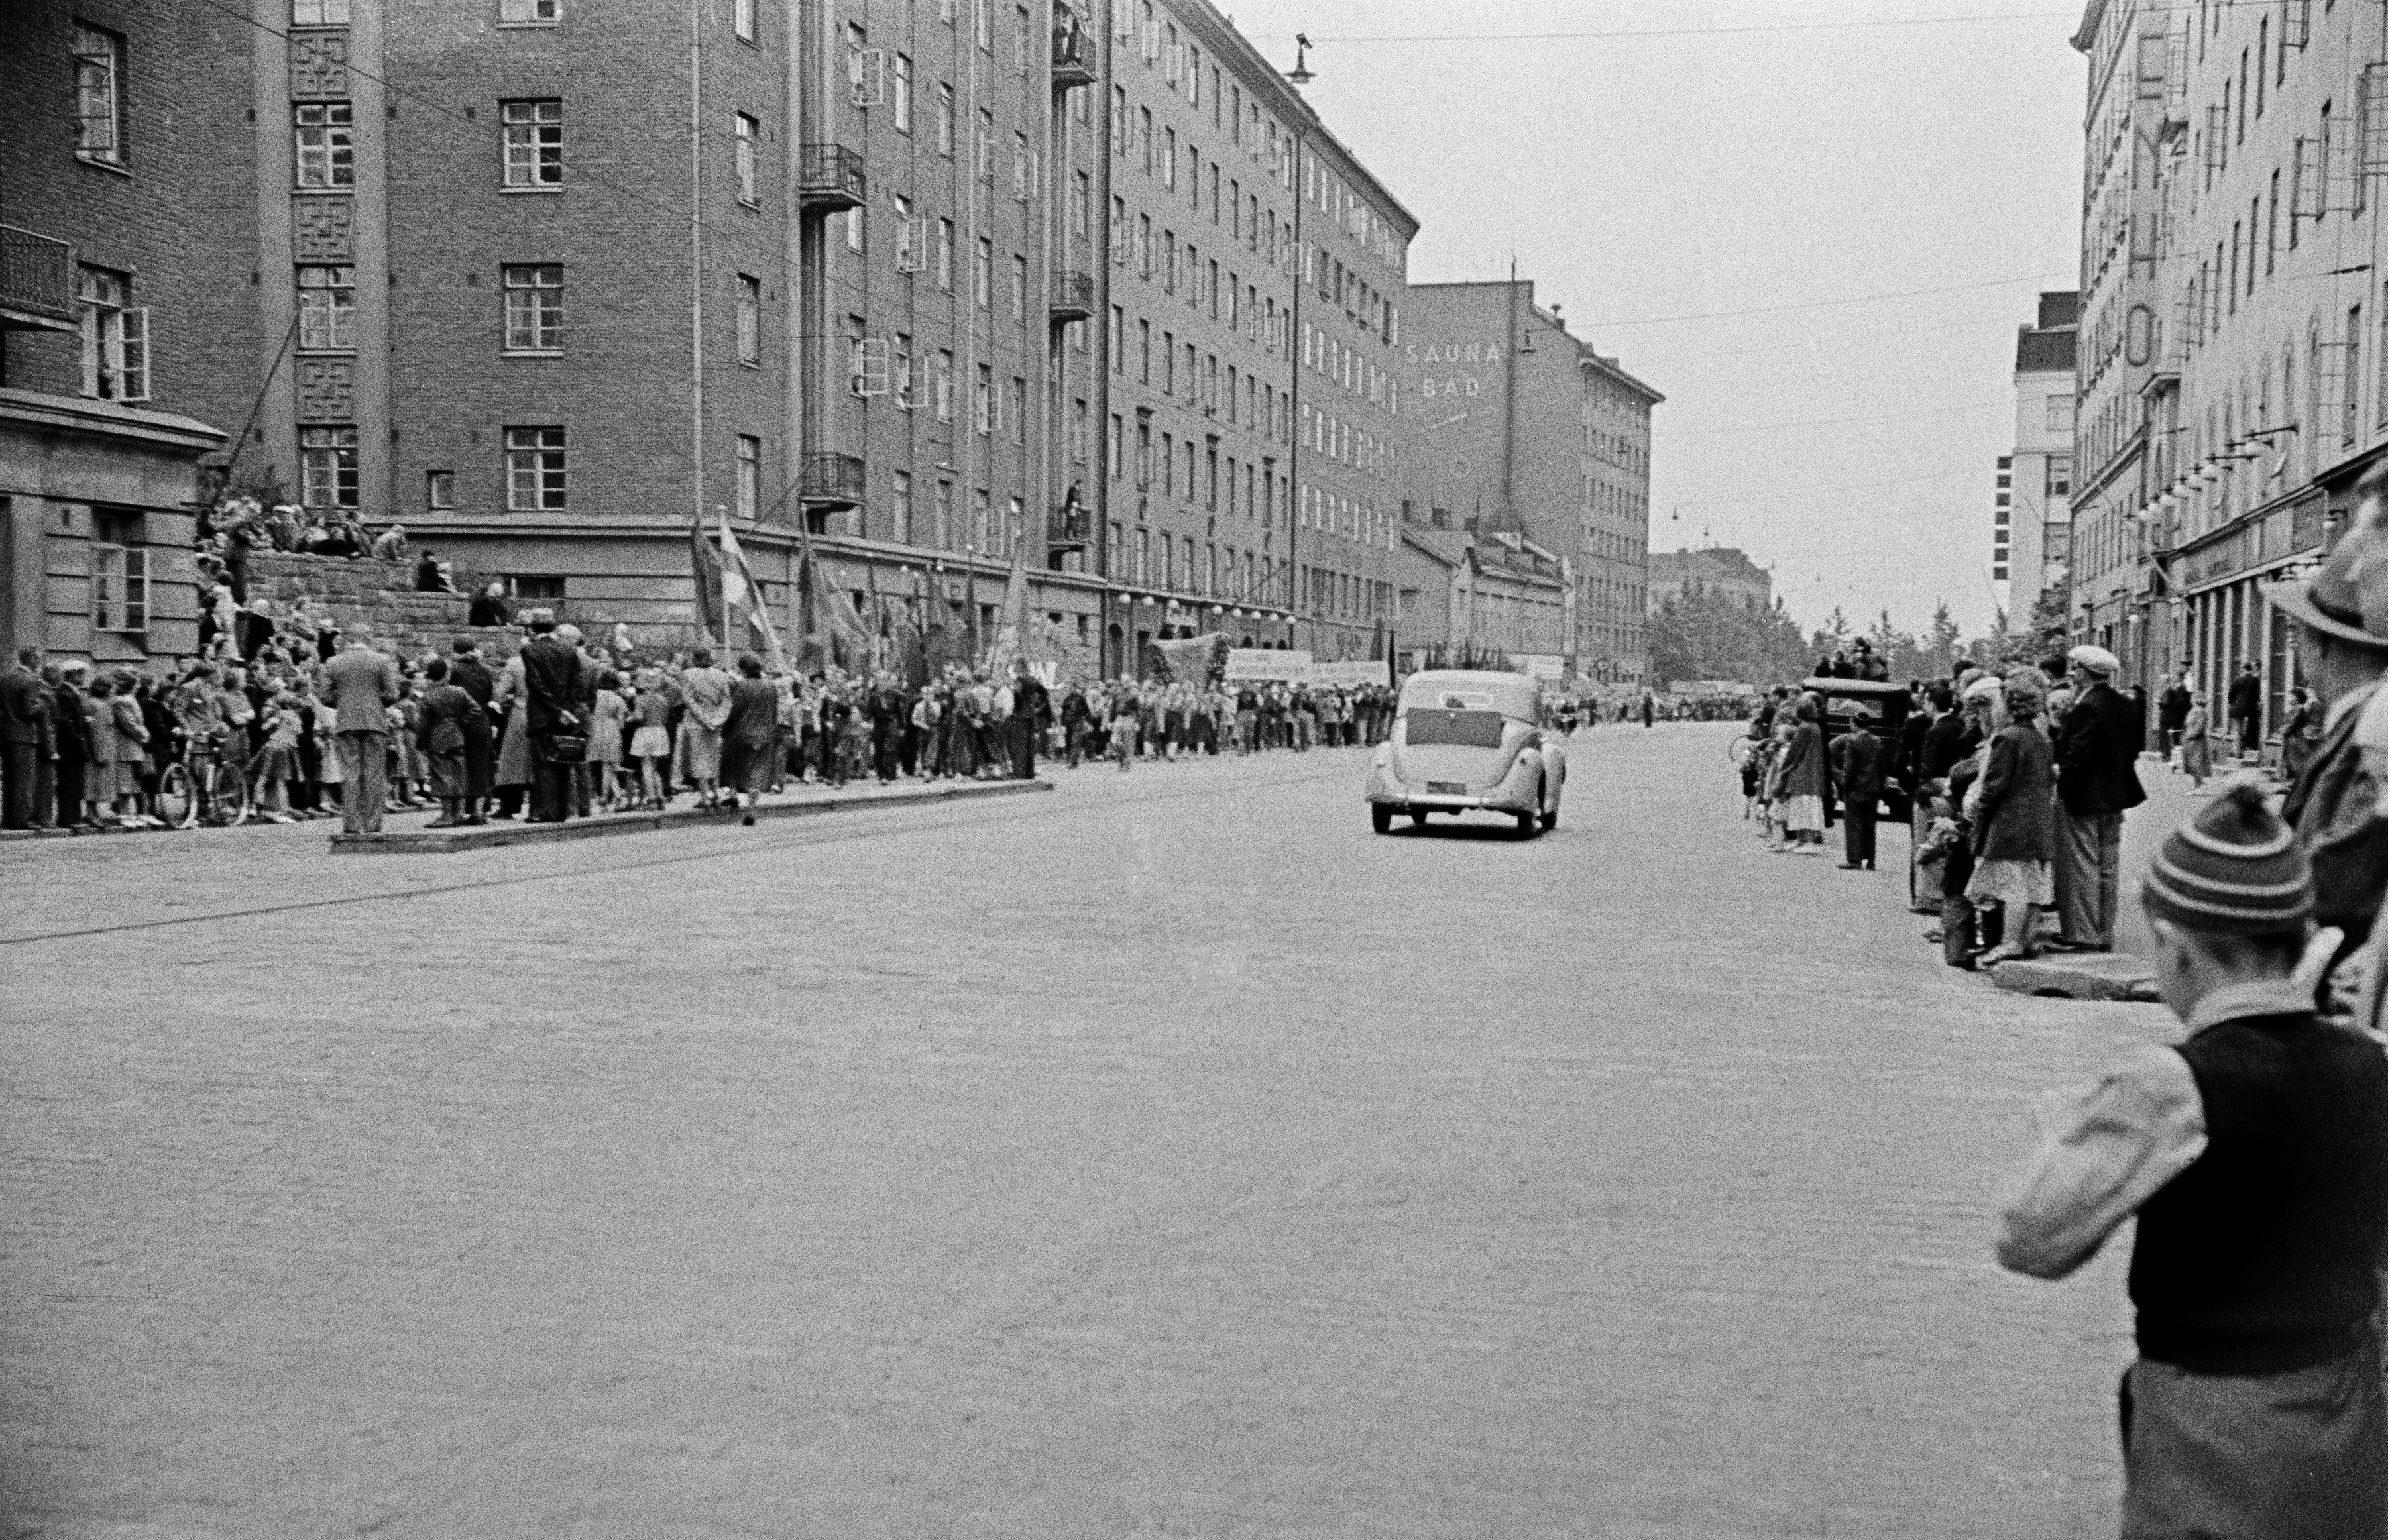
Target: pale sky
x,y
1667,176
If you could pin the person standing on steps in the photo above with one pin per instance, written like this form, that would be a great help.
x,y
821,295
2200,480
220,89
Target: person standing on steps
x,y
363,685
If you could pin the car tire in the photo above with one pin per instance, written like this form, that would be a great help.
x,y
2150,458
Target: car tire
x,y
1380,818
1551,819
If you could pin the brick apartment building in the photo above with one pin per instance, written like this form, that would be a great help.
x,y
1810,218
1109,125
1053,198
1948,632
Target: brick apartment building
x,y
1350,438
1520,427
111,389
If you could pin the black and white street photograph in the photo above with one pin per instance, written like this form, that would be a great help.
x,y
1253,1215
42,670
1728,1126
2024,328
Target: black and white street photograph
x,y
1220,769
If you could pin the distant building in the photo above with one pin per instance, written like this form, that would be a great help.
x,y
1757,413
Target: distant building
x,y
2031,515
1472,590
1515,424
1719,569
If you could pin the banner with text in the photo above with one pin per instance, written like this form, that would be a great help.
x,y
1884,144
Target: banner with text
x,y
1287,664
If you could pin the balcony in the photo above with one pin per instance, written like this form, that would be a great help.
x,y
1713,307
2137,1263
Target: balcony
x,y
1074,295
1069,528
832,481
1073,50
829,177
36,282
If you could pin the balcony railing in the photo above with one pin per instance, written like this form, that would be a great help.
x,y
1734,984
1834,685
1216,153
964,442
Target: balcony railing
x,y
1068,528
36,281
830,177
1074,295
831,480
1074,49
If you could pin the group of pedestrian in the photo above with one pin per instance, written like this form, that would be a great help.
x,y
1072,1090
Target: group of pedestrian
x,y
2253,1153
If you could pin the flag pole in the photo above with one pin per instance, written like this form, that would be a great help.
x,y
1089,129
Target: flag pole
x,y
722,510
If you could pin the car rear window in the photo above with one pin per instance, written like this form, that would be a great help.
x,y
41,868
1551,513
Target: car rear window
x,y
1468,729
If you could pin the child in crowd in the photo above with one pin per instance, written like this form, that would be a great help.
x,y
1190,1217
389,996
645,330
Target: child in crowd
x,y
651,743
605,740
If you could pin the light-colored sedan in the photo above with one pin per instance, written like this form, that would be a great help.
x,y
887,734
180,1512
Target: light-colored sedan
x,y
1468,739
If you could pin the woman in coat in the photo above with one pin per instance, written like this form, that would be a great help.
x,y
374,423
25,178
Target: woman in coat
x,y
99,719
513,746
2300,735
747,731
2197,745
1799,783
2014,821
132,752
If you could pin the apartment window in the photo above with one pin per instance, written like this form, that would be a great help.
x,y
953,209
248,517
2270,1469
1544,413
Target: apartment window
x,y
900,505
1169,159
853,222
750,133
982,274
742,19
1019,288
534,141
1082,203
439,490
1144,119
984,149
534,308
983,405
2272,225
529,13
534,468
323,134
945,530
945,120
1116,447
120,573
983,23
319,13
944,384
750,474
903,102
327,467
1023,40
1119,340
899,370
1016,410
328,308
1144,352
2059,479
115,337
750,320
99,97
945,255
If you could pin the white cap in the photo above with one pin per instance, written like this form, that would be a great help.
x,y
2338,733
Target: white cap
x,y
1988,688
2097,660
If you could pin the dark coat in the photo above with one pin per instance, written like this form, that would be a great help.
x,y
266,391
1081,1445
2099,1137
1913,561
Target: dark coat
x,y
2335,809
69,729
1859,761
555,687
1802,771
2018,816
1910,750
2246,696
2096,748
24,707
447,712
2172,708
1947,743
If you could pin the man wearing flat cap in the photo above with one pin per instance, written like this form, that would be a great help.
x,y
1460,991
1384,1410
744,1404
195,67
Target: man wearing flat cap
x,y
2097,782
2337,806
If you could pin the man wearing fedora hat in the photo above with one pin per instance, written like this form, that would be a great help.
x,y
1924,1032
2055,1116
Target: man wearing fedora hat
x,y
2337,804
2097,782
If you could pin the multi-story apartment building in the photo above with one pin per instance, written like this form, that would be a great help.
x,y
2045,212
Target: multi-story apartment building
x,y
112,320
547,280
1725,570
1198,319
1463,593
2030,528
2262,333
1520,426
1350,427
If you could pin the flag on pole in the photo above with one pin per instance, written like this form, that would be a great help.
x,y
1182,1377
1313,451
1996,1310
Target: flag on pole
x,y
1012,625
705,563
742,598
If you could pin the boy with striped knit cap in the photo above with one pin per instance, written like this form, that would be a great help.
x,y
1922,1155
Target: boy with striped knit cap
x,y
2256,1155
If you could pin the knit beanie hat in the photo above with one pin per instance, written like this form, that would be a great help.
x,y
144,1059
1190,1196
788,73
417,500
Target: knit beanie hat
x,y
2236,870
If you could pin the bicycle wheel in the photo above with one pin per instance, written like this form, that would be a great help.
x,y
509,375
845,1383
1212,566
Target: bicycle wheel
x,y
176,805
227,796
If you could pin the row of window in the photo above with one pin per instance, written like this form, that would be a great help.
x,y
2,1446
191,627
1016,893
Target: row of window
x,y
1206,182
1176,564
1332,359
1223,478
1355,519
1338,440
1245,124
1203,379
1240,307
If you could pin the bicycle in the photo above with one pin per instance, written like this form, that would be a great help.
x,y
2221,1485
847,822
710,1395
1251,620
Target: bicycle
x,y
200,788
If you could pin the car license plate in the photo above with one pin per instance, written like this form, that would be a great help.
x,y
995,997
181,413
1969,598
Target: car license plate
x,y
1446,788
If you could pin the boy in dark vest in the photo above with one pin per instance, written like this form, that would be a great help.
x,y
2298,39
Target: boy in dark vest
x,y
2256,1155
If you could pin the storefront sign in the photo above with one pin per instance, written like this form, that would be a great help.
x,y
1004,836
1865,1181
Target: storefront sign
x,y
1346,675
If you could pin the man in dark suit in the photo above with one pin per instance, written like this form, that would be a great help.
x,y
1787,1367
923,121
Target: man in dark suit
x,y
2097,782
1032,713
553,691
24,734
69,744
2172,711
2247,709
469,674
2337,806
1858,761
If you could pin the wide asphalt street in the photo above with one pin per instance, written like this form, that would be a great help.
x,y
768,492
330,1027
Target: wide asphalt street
x,y
1166,1155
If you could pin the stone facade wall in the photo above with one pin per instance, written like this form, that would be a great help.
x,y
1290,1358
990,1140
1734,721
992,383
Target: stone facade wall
x,y
379,593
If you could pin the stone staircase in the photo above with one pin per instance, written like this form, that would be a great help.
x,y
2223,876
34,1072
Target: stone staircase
x,y
379,593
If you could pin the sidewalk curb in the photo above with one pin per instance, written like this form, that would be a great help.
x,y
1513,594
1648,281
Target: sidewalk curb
x,y
448,841
2087,975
